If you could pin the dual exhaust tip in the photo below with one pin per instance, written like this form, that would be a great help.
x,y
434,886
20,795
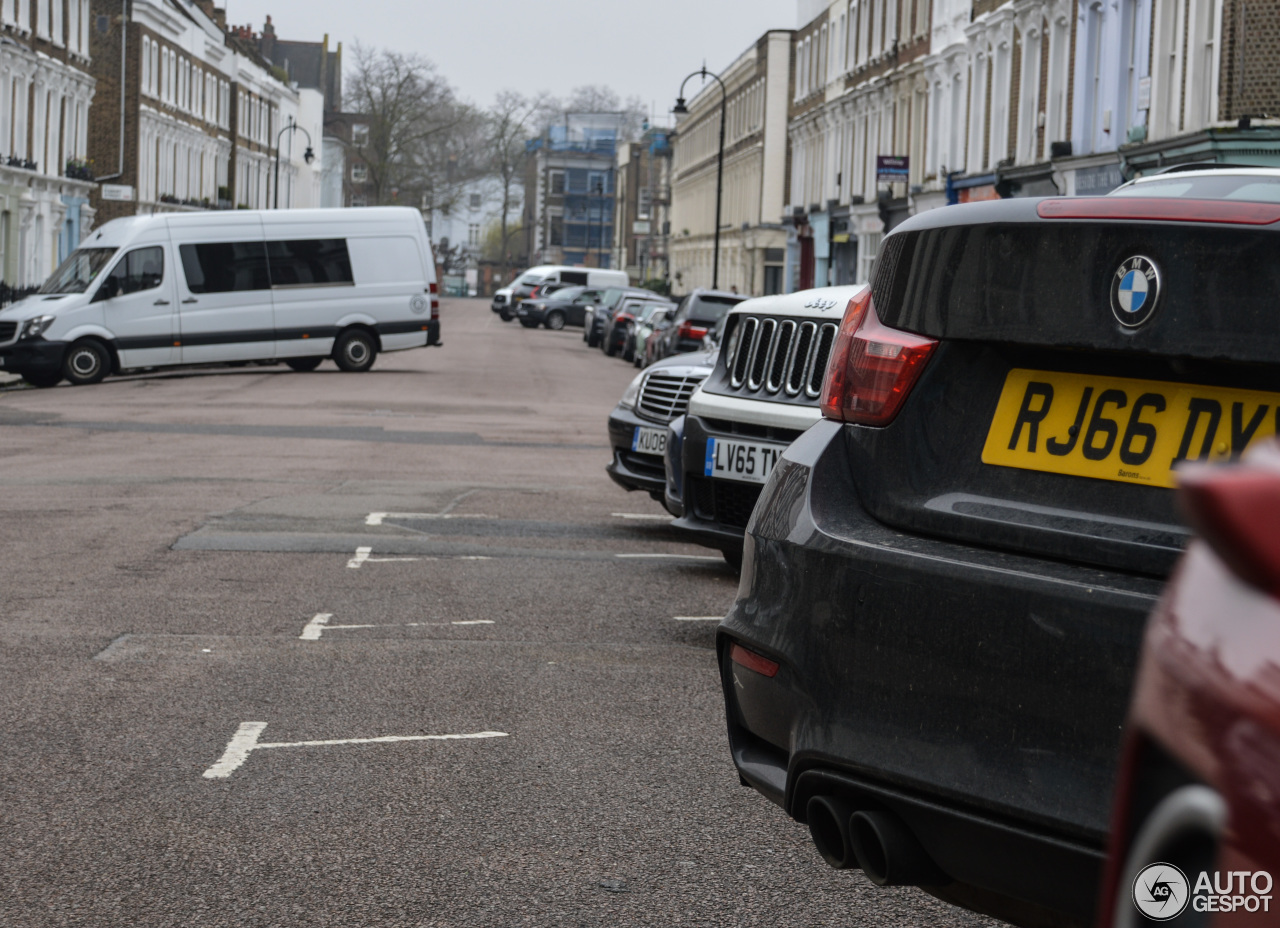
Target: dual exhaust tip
x,y
879,843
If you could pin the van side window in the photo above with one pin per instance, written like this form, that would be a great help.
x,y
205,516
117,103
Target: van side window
x,y
573,277
309,262
222,267
140,269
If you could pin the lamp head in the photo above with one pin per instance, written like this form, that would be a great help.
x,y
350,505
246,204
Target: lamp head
x,y
308,155
681,109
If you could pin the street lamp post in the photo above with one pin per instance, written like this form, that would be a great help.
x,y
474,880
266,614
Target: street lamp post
x,y
307,156
682,110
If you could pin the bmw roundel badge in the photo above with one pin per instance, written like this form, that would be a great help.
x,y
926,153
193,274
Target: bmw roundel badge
x,y
1135,291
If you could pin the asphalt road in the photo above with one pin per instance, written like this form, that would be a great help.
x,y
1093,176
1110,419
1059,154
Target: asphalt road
x,y
186,553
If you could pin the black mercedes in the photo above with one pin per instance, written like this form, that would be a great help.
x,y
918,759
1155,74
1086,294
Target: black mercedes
x,y
946,580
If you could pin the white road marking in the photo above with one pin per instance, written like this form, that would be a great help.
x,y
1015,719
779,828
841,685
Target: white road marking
x,y
320,624
679,557
646,516
245,741
697,618
313,629
377,518
242,742
363,557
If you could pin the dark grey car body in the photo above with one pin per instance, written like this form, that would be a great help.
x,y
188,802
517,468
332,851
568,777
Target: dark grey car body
x,y
955,640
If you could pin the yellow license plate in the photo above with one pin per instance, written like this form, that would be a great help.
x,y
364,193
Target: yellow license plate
x,y
1115,428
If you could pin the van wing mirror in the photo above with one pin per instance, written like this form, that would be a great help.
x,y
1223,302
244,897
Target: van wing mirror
x,y
110,288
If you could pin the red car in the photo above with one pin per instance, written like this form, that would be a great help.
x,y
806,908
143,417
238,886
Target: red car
x,y
1195,837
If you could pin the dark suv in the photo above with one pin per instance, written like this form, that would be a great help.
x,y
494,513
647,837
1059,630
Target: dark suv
x,y
696,315
946,579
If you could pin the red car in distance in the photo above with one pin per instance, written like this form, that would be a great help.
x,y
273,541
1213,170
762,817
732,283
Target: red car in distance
x,y
1195,837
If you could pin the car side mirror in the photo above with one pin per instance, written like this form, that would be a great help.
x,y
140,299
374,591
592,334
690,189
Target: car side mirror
x,y
110,288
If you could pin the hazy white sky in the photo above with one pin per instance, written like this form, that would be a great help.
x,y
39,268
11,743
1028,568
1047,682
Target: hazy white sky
x,y
638,48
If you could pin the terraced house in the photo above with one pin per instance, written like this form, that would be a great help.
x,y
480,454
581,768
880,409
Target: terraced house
x,y
905,105
45,91
191,118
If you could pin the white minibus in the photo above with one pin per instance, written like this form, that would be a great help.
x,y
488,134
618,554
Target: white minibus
x,y
296,286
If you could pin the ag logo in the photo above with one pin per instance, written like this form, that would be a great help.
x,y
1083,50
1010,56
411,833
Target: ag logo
x,y
1161,892
1135,291
418,303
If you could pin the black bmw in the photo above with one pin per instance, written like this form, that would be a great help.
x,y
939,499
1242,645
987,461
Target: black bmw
x,y
946,580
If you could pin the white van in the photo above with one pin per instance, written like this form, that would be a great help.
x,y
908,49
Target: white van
x,y
570,276
297,286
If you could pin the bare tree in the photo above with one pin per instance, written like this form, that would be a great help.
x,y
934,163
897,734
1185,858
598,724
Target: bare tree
x,y
510,121
421,141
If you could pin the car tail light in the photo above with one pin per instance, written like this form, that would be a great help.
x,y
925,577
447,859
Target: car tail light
x,y
687,329
872,367
1169,209
753,661
1237,511
435,300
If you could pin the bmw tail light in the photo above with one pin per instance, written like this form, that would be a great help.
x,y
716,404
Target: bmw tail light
x,y
872,367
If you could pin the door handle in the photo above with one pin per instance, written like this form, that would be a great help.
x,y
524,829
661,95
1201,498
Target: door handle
x,y
191,299
160,303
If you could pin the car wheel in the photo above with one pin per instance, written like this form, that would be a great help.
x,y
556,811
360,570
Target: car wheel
x,y
610,348
733,559
44,379
555,321
303,365
528,325
86,362
355,351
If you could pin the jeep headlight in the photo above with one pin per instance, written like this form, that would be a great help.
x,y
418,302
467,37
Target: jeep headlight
x,y
633,391
34,328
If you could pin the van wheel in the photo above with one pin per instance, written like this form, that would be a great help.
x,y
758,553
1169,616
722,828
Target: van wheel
x,y
86,362
304,364
44,379
555,321
355,351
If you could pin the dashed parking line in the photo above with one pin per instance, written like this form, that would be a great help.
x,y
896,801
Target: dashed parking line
x,y
363,557
245,741
678,557
377,518
641,516
319,624
697,618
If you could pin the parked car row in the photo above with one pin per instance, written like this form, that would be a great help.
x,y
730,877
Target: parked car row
x,y
951,495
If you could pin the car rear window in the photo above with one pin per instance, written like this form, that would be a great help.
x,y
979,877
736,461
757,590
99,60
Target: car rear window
x,y
1252,188
711,308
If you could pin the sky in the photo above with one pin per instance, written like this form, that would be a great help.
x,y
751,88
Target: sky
x,y
639,49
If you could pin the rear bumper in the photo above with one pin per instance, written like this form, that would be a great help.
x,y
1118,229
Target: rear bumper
x,y
433,332
986,689
36,356
633,470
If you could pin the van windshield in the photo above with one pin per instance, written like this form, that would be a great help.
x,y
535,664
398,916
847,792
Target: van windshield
x,y
76,273
530,280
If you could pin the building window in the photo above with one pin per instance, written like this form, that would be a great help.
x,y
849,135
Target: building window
x,y
359,135
359,201
473,234
359,173
475,201
557,183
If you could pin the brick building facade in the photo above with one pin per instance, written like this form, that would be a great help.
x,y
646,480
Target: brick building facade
x,y
202,112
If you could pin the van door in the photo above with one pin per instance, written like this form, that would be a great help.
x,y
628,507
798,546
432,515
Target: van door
x,y
224,313
312,287
138,302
